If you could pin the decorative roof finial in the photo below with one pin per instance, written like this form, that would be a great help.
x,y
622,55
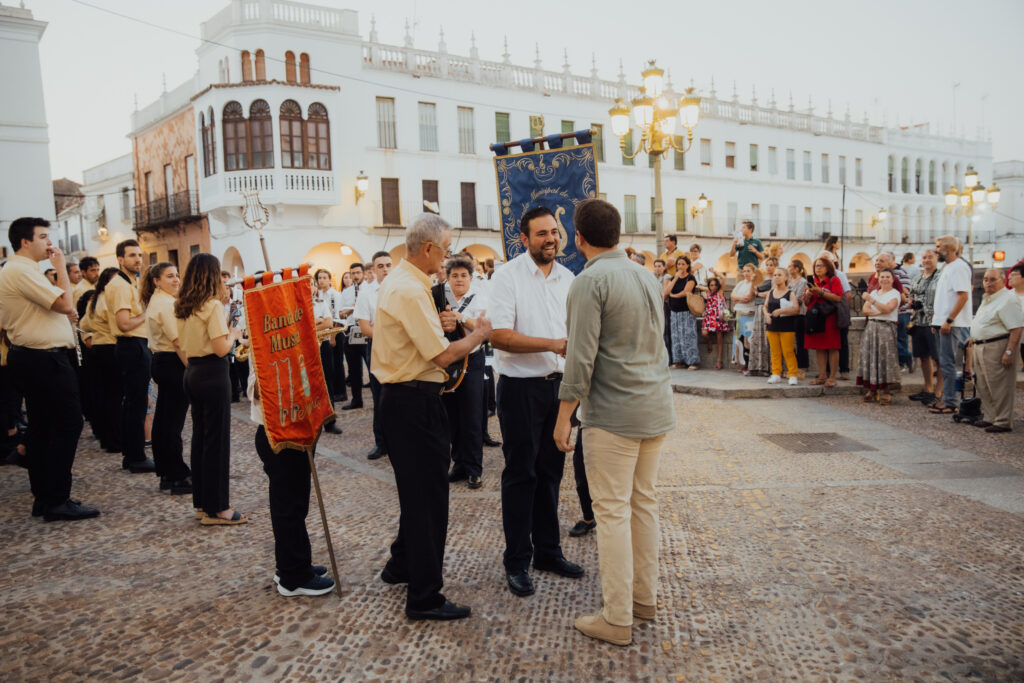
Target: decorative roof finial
x,y
713,93
373,28
735,95
506,57
593,65
536,50
791,108
565,56
771,102
408,36
753,96
441,45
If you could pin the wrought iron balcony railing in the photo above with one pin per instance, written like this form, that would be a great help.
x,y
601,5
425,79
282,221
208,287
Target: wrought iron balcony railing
x,y
164,211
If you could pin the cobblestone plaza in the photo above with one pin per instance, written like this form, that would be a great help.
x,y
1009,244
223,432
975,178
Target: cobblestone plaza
x,y
895,556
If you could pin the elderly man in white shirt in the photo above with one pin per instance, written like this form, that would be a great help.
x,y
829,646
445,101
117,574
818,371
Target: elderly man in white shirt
x,y
995,336
952,315
364,313
527,308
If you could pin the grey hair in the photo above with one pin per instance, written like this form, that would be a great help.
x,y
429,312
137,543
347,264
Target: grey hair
x,y
426,227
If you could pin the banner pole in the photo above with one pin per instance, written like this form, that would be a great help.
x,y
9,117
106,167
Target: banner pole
x,y
266,257
323,519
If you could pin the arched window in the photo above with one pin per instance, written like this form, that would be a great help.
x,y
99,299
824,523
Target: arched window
x,y
892,174
931,178
291,134
289,66
246,66
261,135
318,138
261,66
236,144
905,175
304,68
209,143
918,181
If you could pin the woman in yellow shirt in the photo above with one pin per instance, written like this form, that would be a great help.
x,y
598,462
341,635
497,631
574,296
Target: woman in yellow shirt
x,y
206,340
108,374
158,290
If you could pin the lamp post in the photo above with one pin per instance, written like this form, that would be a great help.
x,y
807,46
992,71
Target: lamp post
x,y
656,112
971,199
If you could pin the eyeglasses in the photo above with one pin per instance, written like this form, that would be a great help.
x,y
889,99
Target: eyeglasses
x,y
447,252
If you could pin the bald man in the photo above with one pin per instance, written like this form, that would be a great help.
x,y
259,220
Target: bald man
x,y
995,336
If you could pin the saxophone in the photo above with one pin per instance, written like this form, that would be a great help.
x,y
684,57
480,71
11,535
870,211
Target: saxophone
x,y
242,350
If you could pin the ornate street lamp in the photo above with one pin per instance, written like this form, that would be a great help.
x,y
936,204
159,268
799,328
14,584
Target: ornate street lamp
x,y
971,200
657,112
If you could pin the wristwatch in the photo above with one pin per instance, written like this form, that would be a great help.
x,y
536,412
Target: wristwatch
x,y
949,320
1009,352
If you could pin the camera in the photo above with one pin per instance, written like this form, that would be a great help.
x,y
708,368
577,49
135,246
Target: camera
x,y
916,305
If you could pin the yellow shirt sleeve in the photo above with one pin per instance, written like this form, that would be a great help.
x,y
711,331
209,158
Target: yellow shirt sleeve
x,y
39,290
421,322
216,322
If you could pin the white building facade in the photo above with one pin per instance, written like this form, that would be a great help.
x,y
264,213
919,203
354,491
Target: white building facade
x,y
25,188
107,209
291,100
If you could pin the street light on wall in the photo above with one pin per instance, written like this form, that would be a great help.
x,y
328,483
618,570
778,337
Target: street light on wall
x,y
362,184
698,209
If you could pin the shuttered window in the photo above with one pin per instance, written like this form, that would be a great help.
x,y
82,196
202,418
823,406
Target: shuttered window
x,y
468,192
386,137
467,136
428,126
390,210
502,132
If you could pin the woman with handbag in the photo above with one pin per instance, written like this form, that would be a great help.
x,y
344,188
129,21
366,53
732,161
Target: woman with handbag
x,y
743,295
879,368
821,333
685,342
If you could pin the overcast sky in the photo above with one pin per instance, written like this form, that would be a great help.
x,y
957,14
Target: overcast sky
x,y
895,59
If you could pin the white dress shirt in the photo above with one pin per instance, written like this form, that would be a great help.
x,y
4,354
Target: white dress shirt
x,y
522,299
366,303
472,310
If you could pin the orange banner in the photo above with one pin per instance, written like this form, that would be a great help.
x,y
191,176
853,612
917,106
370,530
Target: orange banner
x,y
286,355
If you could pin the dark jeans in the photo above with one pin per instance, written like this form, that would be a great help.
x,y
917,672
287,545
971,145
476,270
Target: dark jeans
x,y
464,418
288,472
354,358
10,402
803,360
50,387
417,429
239,378
903,341
208,387
527,411
108,417
133,359
338,351
582,487
169,416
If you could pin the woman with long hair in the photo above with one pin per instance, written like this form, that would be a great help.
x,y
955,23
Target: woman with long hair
x,y
822,334
158,290
206,340
759,361
685,339
742,296
714,317
798,285
108,414
832,246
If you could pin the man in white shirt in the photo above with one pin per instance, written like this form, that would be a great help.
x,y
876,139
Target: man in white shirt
x,y
355,345
952,315
1015,280
324,320
364,313
995,336
527,306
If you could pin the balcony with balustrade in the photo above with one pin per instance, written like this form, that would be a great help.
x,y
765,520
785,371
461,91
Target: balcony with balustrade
x,y
166,212
303,187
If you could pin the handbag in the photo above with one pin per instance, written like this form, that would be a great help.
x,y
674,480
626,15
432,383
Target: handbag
x,y
817,315
696,304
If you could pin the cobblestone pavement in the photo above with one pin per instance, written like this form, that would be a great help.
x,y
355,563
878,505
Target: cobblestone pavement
x,y
775,565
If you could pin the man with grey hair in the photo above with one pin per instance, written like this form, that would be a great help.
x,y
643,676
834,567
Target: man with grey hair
x,y
408,358
995,336
952,315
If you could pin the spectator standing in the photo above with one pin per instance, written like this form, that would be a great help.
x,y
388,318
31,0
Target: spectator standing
x,y
760,355
909,265
748,249
798,285
661,274
822,334
685,340
714,317
924,342
743,295
995,337
671,253
700,273
878,368
952,316
832,245
1015,278
780,311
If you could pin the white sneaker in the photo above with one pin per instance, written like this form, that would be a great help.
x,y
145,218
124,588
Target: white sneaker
x,y
793,381
774,379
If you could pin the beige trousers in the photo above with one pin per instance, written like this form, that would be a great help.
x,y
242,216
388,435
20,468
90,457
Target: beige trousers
x,y
996,384
622,473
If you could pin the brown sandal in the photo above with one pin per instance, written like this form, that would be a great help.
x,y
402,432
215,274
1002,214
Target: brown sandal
x,y
818,381
885,399
219,521
869,397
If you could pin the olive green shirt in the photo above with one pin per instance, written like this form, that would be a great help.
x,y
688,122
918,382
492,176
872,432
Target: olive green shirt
x,y
616,363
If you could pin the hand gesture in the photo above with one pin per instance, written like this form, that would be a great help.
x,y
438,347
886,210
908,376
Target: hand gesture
x,y
563,436
57,258
559,346
482,325
448,319
751,248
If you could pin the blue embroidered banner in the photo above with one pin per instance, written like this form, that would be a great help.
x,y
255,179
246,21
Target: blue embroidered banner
x,y
558,179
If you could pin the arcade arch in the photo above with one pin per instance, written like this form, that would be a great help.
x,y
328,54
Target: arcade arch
x,y
335,257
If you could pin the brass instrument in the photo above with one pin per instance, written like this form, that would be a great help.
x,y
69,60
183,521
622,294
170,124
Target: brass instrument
x,y
242,350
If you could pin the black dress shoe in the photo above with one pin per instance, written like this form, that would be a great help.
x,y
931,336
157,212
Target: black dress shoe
x,y
112,449
488,441
445,612
338,398
352,406
139,466
560,566
457,474
165,483
387,576
997,429
69,510
583,528
520,583
37,508
376,453
181,487
333,428
982,423
474,482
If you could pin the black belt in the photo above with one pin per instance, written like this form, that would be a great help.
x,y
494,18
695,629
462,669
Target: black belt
x,y
876,320
209,358
434,388
551,377
61,349
993,339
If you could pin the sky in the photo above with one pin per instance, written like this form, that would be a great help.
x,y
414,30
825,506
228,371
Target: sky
x,y
897,60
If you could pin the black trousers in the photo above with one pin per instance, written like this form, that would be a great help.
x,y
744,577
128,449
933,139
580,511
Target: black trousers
x,y
803,360
239,378
10,402
339,385
169,416
490,404
288,472
327,361
354,358
208,388
134,360
582,486
418,442
108,417
50,387
378,430
527,412
464,418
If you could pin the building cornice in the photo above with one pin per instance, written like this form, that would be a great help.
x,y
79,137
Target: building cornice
x,y
250,84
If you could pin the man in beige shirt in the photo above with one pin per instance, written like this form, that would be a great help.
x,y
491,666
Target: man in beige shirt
x,y
34,314
127,319
89,267
408,359
995,336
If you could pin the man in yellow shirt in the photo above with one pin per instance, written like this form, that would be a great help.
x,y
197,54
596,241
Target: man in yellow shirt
x,y
34,314
127,320
671,253
89,267
408,357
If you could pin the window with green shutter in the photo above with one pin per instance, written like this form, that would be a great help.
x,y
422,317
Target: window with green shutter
x,y
598,138
680,215
629,207
568,127
626,161
501,127
678,158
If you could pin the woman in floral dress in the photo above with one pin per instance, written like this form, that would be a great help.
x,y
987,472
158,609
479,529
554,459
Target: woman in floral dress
x,y
714,317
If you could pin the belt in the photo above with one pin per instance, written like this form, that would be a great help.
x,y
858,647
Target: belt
x,y
876,320
60,349
209,358
434,388
993,339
